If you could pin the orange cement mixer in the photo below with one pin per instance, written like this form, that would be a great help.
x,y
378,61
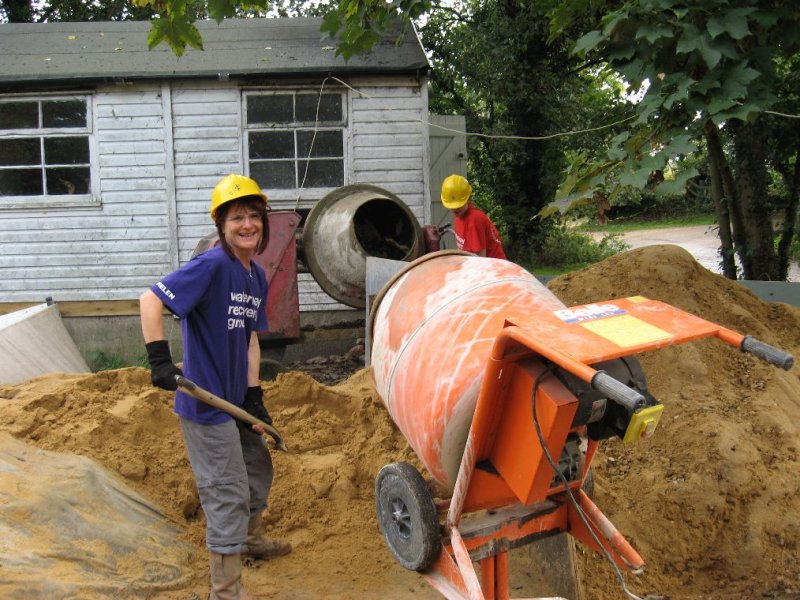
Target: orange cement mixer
x,y
504,394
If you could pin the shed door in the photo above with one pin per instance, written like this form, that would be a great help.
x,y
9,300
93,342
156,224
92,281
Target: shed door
x,y
448,144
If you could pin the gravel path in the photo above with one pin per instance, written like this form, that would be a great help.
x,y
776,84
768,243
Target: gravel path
x,y
701,241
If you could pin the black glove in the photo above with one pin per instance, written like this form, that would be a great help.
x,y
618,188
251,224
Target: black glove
x,y
162,369
254,404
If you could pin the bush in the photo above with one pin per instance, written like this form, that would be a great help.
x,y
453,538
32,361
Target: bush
x,y
566,248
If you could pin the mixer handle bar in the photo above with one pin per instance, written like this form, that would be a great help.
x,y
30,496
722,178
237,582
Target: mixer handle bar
x,y
617,391
768,353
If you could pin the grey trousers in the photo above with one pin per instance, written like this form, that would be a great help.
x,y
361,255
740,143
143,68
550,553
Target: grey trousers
x,y
233,471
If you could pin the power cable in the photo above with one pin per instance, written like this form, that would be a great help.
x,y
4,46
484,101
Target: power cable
x,y
311,145
547,371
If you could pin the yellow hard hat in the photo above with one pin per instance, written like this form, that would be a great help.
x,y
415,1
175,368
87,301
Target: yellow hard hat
x,y
232,187
456,192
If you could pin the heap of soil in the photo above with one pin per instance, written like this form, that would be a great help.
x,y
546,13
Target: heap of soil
x,y
711,501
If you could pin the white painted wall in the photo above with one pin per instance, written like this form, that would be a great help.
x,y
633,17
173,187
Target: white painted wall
x,y
158,151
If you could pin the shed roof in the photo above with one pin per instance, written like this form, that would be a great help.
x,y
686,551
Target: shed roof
x,y
117,51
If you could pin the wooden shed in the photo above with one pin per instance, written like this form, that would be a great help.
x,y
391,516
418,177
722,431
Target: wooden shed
x,y
109,151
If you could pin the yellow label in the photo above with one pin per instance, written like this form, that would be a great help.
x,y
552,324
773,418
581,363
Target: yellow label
x,y
638,299
626,331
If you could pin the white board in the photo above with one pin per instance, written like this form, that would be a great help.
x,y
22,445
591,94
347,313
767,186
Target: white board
x,y
34,341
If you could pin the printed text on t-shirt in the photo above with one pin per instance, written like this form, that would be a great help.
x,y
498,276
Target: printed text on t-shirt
x,y
243,306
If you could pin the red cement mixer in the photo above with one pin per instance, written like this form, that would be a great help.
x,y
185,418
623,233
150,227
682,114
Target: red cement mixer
x,y
504,394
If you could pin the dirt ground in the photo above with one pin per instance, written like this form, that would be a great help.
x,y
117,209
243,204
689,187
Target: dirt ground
x,y
712,501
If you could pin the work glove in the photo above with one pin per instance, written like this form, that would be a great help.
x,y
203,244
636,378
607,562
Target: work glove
x,y
162,369
254,404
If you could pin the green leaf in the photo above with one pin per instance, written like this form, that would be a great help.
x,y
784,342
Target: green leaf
x,y
621,53
567,185
331,23
719,103
220,9
737,79
677,185
714,27
654,33
177,31
681,144
564,205
710,55
689,40
612,20
587,43
681,93
735,22
635,177
743,74
708,83
157,33
743,112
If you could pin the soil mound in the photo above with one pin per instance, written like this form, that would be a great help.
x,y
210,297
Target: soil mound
x,y
712,501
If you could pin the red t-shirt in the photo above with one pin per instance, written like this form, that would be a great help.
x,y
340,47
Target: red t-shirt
x,y
475,232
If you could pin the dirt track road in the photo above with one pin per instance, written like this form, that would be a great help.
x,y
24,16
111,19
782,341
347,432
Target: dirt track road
x,y
701,241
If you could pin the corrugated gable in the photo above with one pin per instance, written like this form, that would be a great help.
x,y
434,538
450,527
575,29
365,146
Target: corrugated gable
x,y
113,51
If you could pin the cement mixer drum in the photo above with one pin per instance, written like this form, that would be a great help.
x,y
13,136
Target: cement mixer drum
x,y
348,225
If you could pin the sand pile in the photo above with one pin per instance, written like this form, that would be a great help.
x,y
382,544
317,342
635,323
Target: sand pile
x,y
711,502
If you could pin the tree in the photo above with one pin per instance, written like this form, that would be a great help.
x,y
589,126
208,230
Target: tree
x,y
493,62
714,70
356,25
25,11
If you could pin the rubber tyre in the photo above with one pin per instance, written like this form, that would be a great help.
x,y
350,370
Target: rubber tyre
x,y
407,516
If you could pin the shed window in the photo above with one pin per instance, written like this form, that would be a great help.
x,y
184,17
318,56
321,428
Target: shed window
x,y
296,139
45,149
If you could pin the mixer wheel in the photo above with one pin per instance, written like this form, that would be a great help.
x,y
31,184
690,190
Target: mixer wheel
x,y
407,516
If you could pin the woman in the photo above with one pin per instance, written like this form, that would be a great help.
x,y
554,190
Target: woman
x,y
220,297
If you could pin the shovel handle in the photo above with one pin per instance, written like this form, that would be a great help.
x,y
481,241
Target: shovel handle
x,y
196,391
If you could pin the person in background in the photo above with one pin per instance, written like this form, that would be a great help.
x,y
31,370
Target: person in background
x,y
220,297
474,231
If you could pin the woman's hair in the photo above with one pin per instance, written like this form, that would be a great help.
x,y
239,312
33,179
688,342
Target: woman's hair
x,y
248,202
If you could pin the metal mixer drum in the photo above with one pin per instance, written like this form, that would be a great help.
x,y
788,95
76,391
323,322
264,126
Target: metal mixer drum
x,y
350,224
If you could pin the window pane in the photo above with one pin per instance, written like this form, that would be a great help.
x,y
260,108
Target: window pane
x,y
322,173
64,113
66,151
21,151
269,109
326,143
271,144
67,181
19,115
275,174
21,182
330,108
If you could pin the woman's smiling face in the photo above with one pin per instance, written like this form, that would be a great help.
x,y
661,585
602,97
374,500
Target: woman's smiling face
x,y
243,228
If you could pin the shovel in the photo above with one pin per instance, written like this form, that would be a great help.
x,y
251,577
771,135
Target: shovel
x,y
194,390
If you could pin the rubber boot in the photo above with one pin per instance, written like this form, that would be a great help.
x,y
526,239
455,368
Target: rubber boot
x,y
258,545
226,578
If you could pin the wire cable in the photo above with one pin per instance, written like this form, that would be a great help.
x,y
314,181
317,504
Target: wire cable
x,y
547,371
311,145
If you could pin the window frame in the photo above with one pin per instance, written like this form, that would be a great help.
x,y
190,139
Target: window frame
x,y
343,126
90,199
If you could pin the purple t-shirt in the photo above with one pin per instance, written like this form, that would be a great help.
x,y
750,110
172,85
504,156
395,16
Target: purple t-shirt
x,y
220,303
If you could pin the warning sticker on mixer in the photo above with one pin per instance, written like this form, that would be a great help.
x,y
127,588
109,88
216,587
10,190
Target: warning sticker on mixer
x,y
626,331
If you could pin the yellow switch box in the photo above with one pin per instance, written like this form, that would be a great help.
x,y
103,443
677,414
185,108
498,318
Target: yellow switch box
x,y
643,424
